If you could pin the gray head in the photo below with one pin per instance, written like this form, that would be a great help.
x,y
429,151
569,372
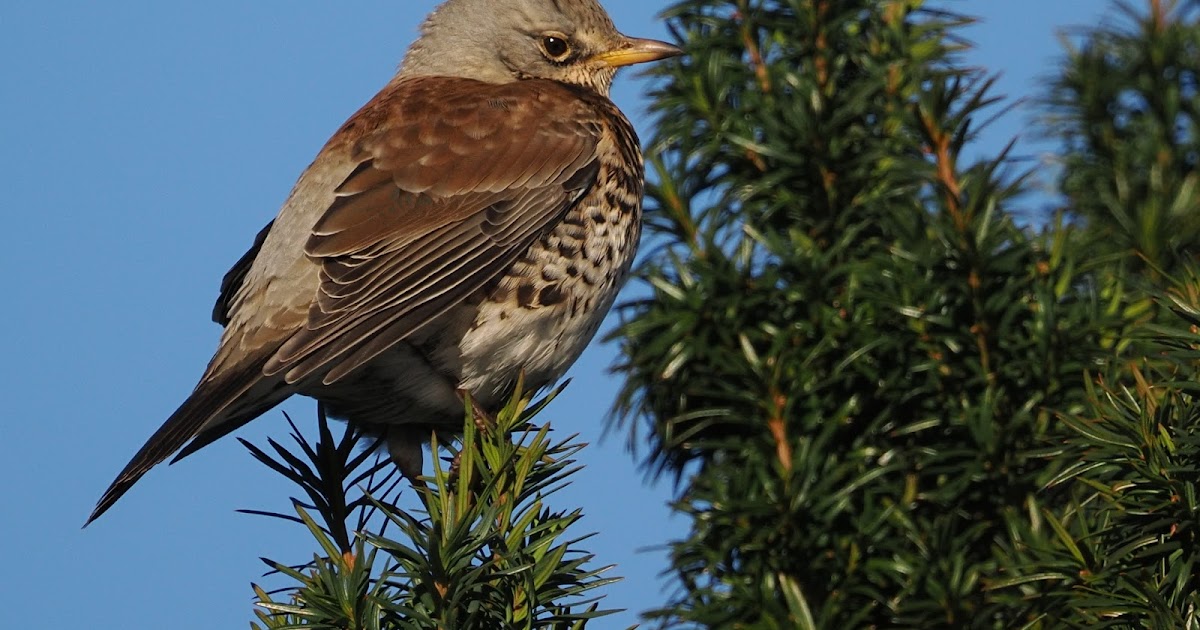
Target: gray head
x,y
573,41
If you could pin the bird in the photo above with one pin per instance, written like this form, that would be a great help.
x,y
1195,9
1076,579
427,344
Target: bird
x,y
469,225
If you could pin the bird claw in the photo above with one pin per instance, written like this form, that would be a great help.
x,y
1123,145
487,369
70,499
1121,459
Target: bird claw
x,y
455,466
484,421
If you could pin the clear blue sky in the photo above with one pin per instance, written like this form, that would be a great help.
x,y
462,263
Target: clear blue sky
x,y
142,146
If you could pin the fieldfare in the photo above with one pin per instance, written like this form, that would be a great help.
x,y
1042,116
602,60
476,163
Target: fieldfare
x,y
472,221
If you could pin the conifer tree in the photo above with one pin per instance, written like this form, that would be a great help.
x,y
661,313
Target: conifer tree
x,y
853,361
1124,105
485,547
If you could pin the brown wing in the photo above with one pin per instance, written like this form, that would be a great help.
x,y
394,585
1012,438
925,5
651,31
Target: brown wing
x,y
455,180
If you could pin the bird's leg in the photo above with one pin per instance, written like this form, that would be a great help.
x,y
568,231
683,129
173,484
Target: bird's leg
x,y
483,420
404,447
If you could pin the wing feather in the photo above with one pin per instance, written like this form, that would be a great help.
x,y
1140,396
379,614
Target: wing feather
x,y
456,184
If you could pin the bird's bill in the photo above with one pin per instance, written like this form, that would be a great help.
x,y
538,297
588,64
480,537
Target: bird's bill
x,y
634,50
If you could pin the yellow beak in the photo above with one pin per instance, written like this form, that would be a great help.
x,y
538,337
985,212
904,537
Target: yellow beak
x,y
634,50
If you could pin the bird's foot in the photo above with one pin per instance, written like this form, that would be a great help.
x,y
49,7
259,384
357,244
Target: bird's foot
x,y
484,421
455,465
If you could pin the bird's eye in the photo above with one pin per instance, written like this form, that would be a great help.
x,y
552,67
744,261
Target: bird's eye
x,y
556,47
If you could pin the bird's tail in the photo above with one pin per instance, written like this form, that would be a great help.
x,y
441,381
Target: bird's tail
x,y
218,405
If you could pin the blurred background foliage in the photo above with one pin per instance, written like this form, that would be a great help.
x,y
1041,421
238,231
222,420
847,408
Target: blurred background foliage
x,y
888,398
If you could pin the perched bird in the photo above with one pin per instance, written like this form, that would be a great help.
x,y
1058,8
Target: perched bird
x,y
472,221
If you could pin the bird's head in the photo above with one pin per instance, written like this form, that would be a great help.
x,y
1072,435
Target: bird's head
x,y
572,41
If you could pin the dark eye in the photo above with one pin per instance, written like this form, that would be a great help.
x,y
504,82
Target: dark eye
x,y
555,47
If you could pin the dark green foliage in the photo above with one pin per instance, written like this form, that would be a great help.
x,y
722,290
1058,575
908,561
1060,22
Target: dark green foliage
x,y
853,361
1124,550
1126,107
490,553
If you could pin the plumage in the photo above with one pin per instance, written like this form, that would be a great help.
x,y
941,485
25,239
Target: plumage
x,y
471,222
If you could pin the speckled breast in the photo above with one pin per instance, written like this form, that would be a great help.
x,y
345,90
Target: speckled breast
x,y
541,316
537,317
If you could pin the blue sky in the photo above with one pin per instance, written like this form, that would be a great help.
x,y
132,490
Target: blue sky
x,y
142,146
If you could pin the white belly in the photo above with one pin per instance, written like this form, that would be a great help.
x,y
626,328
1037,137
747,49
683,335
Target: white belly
x,y
543,342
